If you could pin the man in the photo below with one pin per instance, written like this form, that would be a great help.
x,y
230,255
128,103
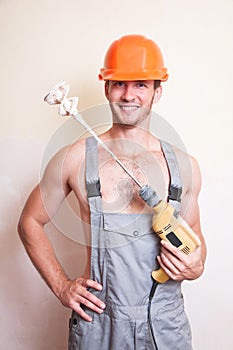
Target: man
x,y
110,301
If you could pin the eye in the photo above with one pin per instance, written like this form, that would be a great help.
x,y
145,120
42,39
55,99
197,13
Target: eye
x,y
118,83
141,84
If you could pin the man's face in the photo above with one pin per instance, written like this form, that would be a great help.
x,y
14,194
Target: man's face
x,y
130,101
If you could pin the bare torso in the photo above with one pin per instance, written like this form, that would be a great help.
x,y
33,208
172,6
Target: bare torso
x,y
119,191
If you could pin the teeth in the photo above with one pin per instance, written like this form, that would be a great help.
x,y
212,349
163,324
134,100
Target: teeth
x,y
129,108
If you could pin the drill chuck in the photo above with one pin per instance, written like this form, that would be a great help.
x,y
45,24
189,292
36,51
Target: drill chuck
x,y
149,196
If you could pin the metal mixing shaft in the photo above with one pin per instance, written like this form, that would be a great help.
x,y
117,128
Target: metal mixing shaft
x,y
68,107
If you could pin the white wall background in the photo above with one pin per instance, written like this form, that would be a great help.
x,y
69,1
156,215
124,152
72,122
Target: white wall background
x,y
45,41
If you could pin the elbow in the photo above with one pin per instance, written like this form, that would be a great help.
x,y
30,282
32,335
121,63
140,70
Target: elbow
x,y
25,228
29,229
21,228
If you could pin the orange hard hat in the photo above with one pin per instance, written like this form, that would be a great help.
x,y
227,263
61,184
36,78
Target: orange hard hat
x,y
133,57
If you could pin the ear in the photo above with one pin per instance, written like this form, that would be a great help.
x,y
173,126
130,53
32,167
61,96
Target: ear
x,y
158,94
106,87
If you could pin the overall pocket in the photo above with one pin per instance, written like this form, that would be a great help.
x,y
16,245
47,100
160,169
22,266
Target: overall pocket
x,y
131,250
73,324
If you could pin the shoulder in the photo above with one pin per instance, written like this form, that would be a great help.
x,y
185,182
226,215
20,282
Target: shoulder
x,y
65,162
74,154
189,171
69,154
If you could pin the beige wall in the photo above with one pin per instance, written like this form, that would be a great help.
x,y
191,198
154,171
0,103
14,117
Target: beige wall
x,y
43,42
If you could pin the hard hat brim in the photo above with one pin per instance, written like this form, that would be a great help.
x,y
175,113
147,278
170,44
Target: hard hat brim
x,y
112,74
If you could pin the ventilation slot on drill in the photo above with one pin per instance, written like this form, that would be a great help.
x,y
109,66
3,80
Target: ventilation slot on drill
x,y
186,250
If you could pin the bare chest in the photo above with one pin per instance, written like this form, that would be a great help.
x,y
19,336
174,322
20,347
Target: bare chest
x,y
120,192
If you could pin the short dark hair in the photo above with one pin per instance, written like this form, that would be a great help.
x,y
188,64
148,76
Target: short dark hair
x,y
157,84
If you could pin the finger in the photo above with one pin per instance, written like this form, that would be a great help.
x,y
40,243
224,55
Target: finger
x,y
164,267
93,299
75,305
77,308
172,249
169,263
88,283
169,268
92,303
83,296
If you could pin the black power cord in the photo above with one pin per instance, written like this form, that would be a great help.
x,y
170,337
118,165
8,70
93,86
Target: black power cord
x,y
151,295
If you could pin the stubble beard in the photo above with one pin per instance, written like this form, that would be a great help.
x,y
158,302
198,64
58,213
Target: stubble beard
x,y
129,118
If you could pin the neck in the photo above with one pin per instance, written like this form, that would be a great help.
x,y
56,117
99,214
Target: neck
x,y
129,132
136,139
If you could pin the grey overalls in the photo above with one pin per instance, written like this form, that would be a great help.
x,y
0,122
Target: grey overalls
x,y
124,250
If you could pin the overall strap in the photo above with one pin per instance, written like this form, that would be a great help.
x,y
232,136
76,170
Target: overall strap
x,y
93,181
175,185
92,175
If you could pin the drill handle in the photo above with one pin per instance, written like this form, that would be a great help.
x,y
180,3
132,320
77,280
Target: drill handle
x,y
160,276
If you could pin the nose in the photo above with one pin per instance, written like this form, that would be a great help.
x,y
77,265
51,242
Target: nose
x,y
129,93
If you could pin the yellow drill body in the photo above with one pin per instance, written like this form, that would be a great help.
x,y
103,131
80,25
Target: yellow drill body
x,y
172,229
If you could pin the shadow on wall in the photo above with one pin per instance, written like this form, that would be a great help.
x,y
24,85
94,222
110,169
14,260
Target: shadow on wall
x,y
31,316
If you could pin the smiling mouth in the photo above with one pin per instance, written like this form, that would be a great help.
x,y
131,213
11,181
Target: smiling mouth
x,y
129,108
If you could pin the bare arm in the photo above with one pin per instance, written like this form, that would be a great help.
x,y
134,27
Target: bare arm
x,y
175,263
41,205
